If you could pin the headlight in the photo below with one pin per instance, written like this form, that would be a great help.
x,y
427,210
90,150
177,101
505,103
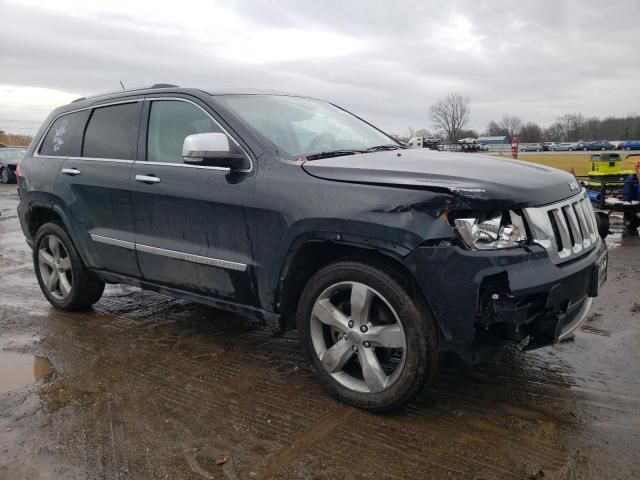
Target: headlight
x,y
502,230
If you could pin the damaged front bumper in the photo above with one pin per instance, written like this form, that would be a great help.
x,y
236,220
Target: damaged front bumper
x,y
482,300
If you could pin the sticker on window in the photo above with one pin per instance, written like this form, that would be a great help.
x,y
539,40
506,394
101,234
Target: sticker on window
x,y
58,140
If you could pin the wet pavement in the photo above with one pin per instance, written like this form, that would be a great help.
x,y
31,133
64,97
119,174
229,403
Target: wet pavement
x,y
148,387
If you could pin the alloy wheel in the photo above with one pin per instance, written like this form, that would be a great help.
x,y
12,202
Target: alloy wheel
x,y
55,267
4,175
358,337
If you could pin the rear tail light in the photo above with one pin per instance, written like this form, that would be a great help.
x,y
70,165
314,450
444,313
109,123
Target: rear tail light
x,y
18,173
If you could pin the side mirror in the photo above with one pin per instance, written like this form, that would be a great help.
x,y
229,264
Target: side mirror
x,y
212,150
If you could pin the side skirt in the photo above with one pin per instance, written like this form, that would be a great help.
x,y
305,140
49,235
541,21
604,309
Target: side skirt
x,y
270,318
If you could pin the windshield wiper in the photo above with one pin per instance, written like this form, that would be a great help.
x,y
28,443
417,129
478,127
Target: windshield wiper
x,y
333,153
388,146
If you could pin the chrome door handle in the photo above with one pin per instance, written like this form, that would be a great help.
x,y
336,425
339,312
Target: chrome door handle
x,y
147,179
70,171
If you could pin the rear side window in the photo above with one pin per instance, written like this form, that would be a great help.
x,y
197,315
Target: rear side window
x,y
170,121
64,138
113,132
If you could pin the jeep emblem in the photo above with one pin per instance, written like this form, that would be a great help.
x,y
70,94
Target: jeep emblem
x,y
573,186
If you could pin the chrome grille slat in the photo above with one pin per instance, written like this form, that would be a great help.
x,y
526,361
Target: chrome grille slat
x,y
576,229
564,234
585,213
586,240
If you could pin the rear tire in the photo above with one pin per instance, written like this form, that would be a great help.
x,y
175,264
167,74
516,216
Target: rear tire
x,y
334,334
4,175
63,278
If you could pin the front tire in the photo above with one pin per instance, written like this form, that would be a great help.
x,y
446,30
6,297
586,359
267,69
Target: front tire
x,y
63,278
370,343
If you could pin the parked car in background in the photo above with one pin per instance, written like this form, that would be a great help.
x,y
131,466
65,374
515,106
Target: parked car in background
x,y
565,146
630,145
9,160
599,145
424,142
531,147
547,146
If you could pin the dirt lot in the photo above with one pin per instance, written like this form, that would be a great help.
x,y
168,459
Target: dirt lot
x,y
146,386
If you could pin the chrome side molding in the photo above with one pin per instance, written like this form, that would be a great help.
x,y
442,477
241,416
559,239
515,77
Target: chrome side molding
x,y
187,257
113,241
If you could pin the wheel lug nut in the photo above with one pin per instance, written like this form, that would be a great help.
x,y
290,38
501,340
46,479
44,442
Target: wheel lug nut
x,y
366,344
350,323
363,328
354,348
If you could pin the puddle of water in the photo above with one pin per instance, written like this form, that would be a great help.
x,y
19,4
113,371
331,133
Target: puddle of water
x,y
18,370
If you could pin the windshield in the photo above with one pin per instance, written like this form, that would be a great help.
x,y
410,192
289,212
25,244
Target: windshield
x,y
302,126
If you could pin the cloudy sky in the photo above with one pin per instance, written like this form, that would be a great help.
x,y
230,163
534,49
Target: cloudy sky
x,y
387,61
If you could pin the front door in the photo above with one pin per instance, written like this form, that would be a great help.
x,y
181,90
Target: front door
x,y
192,225
95,186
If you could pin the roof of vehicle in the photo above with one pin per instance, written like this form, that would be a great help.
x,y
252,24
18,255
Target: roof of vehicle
x,y
84,102
167,86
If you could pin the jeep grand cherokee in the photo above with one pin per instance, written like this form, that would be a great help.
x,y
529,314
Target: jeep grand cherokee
x,y
300,213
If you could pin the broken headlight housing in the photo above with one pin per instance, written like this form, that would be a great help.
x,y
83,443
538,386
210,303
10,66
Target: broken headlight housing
x,y
491,231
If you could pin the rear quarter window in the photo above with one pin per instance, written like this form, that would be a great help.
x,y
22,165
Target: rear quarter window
x,y
64,137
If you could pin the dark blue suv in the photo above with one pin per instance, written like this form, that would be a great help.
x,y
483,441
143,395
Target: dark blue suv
x,y
295,211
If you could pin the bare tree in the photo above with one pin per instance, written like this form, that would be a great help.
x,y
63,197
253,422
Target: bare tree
x,y
555,133
450,114
573,124
495,130
512,124
531,133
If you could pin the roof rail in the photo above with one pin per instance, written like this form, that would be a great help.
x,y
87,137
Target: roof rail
x,y
155,85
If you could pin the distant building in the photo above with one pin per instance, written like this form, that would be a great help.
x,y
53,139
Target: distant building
x,y
500,140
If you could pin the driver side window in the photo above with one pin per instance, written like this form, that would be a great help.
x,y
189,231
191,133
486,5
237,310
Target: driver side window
x,y
170,122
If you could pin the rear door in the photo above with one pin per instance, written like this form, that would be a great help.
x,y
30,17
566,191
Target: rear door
x,y
192,222
95,187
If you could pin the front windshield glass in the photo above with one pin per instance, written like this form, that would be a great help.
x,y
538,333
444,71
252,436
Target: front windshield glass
x,y
302,126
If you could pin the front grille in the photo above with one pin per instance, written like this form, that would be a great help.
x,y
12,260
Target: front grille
x,y
566,229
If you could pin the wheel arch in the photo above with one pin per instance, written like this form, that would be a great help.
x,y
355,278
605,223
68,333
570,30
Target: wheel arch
x,y
312,254
41,213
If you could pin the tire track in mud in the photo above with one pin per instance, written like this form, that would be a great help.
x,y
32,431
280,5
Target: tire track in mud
x,y
303,442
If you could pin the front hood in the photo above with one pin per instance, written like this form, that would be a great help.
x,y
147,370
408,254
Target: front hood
x,y
479,177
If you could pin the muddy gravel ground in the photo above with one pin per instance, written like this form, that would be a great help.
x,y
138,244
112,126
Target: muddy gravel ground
x,y
147,387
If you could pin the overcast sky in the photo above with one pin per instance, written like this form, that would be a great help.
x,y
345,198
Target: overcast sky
x,y
387,61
